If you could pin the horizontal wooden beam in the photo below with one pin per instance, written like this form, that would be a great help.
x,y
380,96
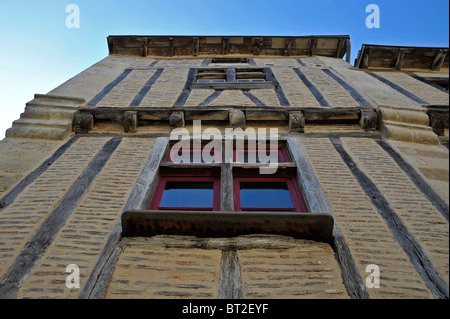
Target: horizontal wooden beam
x,y
227,224
267,113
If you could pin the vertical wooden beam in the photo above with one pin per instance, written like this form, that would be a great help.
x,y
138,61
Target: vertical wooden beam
x,y
257,45
110,45
287,46
230,285
439,60
225,45
399,61
348,50
145,47
312,46
196,45
130,121
341,48
226,188
171,47
365,59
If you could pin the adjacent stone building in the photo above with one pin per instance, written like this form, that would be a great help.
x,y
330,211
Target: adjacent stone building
x,y
357,208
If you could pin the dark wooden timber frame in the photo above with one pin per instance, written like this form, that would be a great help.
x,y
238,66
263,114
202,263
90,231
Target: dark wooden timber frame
x,y
336,46
137,221
385,57
148,116
182,224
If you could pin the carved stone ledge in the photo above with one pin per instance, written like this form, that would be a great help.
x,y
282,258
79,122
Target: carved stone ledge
x,y
83,123
237,119
177,120
296,122
368,120
130,121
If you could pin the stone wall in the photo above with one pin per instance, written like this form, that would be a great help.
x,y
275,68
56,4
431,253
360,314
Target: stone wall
x,y
389,199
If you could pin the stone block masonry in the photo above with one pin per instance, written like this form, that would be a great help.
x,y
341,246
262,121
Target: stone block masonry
x,y
158,272
421,218
171,267
309,271
20,220
82,238
368,237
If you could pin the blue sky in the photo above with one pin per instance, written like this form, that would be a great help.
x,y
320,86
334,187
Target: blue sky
x,y
39,52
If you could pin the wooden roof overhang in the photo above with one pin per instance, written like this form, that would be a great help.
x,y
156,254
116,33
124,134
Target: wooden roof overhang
x,y
246,46
382,57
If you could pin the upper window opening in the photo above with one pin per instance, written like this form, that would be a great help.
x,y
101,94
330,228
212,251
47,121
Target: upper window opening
x,y
245,155
211,76
250,75
229,60
231,75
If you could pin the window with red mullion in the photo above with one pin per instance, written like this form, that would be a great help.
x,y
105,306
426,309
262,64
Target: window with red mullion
x,y
299,204
159,192
283,155
196,150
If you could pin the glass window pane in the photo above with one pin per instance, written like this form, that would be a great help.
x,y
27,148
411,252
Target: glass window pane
x,y
266,194
188,194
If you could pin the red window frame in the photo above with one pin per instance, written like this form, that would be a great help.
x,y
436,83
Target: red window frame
x,y
294,191
283,154
217,156
157,197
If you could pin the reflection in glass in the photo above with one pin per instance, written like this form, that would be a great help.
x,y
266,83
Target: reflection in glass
x,y
188,194
265,195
